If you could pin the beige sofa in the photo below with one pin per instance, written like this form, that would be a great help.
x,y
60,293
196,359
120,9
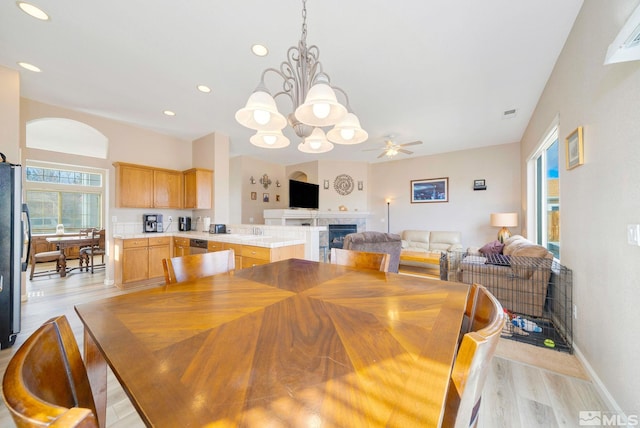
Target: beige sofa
x,y
427,241
521,285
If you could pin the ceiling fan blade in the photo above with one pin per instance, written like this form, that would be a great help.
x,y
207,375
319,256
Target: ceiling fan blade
x,y
405,151
371,150
381,154
413,143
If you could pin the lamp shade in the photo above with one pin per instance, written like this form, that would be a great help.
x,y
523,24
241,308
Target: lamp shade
x,y
348,131
504,219
321,108
315,143
260,113
269,139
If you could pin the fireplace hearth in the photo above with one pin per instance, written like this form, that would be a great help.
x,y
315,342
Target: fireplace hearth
x,y
337,232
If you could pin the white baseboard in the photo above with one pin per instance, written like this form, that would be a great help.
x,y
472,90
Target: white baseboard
x,y
602,390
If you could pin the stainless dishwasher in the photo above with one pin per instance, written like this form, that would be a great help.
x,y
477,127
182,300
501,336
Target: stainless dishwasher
x,y
198,246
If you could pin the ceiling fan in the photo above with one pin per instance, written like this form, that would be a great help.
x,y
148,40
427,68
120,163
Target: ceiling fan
x,y
390,148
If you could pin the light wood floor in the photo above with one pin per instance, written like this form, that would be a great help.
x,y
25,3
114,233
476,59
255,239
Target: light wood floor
x,y
527,386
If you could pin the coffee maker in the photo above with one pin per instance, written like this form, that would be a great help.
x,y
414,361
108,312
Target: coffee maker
x,y
184,224
152,222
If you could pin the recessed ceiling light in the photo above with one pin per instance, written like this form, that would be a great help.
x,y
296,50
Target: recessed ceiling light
x,y
169,113
29,67
32,10
260,50
204,88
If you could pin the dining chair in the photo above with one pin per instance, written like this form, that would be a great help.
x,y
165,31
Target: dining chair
x,y
360,259
46,383
473,361
88,253
43,257
186,268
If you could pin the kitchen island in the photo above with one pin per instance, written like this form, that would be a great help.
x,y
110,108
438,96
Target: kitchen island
x,y
138,257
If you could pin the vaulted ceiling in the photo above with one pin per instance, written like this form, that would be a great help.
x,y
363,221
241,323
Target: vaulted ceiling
x,y
440,71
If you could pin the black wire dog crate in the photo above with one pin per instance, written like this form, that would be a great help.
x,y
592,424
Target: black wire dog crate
x,y
536,294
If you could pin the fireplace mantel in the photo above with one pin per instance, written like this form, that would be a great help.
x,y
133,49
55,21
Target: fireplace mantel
x,y
312,217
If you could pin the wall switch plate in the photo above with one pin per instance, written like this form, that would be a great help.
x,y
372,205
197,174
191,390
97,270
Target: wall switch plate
x,y
114,219
633,234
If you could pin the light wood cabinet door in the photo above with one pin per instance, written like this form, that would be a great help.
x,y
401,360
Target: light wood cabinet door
x,y
159,248
198,188
134,186
167,189
181,247
135,264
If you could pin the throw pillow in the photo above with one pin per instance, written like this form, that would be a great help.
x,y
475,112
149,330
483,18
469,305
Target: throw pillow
x,y
494,247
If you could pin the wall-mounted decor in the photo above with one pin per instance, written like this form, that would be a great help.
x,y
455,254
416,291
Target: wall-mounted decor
x,y
265,181
575,149
326,184
265,197
430,190
360,185
343,184
479,185
252,180
254,196
277,198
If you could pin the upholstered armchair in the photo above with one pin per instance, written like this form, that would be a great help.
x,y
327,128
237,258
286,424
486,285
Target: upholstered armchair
x,y
376,242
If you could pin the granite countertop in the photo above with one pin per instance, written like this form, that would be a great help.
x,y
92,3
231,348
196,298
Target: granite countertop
x,y
233,238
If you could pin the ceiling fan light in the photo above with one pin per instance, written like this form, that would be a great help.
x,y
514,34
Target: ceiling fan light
x,y
269,139
260,113
348,131
314,110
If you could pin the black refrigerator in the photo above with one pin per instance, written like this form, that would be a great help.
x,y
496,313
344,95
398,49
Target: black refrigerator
x,y
15,235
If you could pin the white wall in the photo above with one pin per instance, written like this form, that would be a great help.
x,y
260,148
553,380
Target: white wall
x,y
599,198
10,114
467,211
330,199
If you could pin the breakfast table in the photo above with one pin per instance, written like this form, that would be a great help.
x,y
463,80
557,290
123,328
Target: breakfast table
x,y
289,343
64,242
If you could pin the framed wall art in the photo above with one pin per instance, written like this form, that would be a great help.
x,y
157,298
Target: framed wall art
x,y
430,190
254,196
265,197
575,149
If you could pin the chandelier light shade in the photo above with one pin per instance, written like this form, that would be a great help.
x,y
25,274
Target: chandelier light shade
x,y
314,101
348,131
269,139
315,143
260,113
504,220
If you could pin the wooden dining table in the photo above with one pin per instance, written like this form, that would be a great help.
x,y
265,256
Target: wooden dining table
x,y
64,242
290,343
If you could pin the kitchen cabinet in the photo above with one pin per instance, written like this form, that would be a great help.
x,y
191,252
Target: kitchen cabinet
x,y
181,247
198,188
140,186
167,189
159,248
133,265
254,256
134,186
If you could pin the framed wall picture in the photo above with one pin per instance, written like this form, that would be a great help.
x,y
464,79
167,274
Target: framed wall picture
x,y
265,197
575,149
254,196
430,190
479,184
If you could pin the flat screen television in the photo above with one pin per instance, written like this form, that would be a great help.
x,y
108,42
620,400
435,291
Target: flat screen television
x,y
303,195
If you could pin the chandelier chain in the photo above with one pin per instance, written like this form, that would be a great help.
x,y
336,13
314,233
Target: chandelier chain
x,y
304,21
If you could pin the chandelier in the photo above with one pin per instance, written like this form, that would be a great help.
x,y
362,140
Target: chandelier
x,y
315,105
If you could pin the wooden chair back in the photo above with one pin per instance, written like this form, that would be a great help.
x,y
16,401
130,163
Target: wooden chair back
x,y
186,268
473,361
360,259
46,383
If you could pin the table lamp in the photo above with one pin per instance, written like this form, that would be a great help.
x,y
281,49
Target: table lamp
x,y
504,220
